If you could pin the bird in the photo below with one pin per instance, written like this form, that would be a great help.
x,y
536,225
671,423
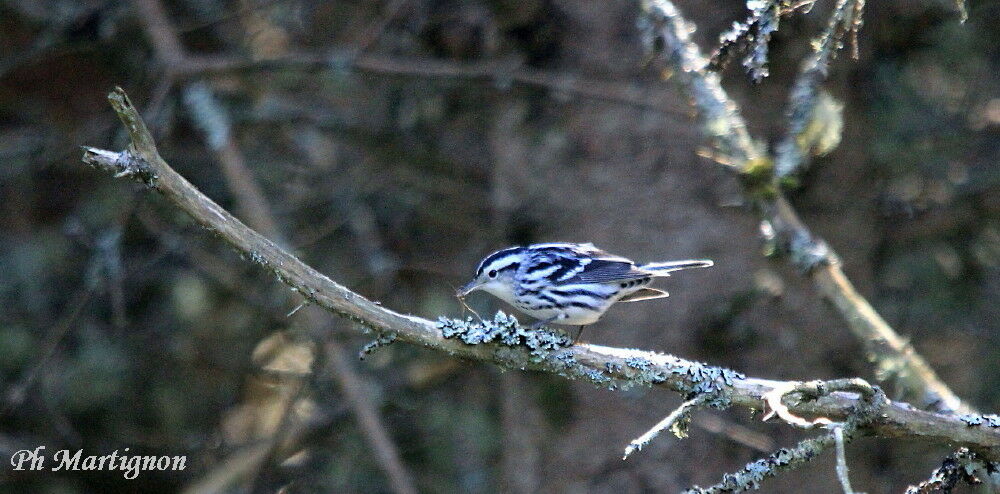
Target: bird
x,y
568,283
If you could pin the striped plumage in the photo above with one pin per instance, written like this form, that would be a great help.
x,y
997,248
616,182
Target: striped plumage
x,y
572,284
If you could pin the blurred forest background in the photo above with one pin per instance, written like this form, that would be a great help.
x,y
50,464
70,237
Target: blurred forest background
x,y
393,144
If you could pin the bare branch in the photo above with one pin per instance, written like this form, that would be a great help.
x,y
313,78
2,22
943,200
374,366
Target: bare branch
x,y
503,341
215,124
842,470
209,115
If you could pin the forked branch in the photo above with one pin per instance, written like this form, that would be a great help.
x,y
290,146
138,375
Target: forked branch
x,y
667,33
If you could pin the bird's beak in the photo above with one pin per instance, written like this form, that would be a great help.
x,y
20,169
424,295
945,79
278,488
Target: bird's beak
x,y
465,289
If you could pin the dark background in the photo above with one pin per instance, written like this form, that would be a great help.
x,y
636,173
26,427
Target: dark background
x,y
122,324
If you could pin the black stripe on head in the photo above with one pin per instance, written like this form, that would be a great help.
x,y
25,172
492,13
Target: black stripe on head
x,y
500,254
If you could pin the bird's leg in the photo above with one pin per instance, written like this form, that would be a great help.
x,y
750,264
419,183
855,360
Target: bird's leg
x,y
578,334
542,322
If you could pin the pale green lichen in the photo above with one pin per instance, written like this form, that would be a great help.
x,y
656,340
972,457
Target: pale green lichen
x,y
974,420
506,330
520,346
382,340
750,37
696,378
515,346
960,466
804,251
750,477
807,252
647,373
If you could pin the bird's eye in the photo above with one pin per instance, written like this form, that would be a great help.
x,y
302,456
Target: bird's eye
x,y
493,273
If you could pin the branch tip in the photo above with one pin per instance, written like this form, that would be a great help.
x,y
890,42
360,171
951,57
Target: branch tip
x,y
123,164
139,134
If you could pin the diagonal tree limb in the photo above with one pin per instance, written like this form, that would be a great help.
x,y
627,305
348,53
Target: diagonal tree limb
x,y
667,33
254,207
518,348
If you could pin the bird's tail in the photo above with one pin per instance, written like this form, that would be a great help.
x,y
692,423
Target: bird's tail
x,y
665,268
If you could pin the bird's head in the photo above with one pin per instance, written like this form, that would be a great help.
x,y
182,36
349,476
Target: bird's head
x,y
495,274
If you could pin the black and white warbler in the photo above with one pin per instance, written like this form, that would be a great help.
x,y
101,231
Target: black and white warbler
x,y
571,284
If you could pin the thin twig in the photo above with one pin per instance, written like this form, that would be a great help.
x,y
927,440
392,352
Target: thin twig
x,y
773,399
737,433
17,393
368,417
675,417
502,73
792,153
842,471
815,389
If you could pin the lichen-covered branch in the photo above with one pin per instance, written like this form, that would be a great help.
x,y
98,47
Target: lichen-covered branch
x,y
805,101
502,340
960,466
667,34
751,37
871,406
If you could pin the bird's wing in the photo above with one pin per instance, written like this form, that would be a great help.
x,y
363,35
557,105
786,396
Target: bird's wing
x,y
556,266
606,271
580,263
